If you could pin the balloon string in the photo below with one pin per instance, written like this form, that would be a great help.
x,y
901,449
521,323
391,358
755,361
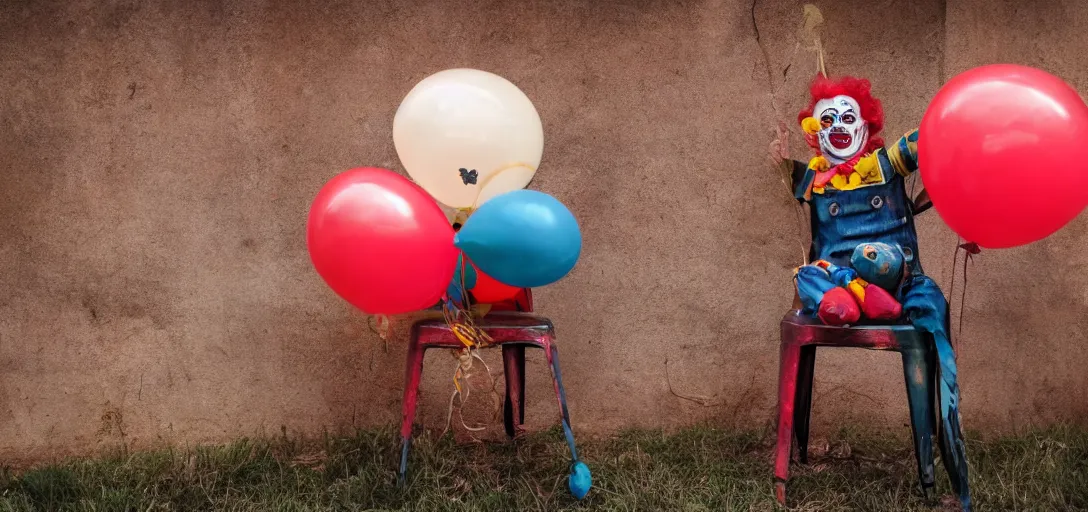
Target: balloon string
x,y
970,250
813,22
463,325
952,285
461,320
492,176
463,388
380,325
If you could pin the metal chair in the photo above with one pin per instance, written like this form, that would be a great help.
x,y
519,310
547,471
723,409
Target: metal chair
x,y
801,334
510,326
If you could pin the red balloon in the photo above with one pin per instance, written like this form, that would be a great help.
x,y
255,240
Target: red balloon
x,y
381,242
1001,151
489,290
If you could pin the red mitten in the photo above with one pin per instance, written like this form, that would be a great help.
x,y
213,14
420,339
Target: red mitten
x,y
879,304
839,307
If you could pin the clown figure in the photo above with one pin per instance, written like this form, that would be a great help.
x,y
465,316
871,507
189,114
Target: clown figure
x,y
862,223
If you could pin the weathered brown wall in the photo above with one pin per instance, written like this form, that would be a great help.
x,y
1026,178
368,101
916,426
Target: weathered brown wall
x,y
160,158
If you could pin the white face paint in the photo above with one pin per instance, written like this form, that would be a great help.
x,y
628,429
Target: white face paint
x,y
843,133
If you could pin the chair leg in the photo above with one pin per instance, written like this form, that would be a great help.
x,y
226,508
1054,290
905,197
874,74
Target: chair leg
x,y
580,480
919,375
787,392
412,375
950,440
552,354
513,360
803,405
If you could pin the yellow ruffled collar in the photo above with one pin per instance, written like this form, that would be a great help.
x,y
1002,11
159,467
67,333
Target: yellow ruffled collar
x,y
866,172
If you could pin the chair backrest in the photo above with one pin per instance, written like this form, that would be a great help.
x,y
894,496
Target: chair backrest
x,y
524,300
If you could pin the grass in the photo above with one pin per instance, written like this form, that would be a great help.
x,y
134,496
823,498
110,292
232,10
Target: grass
x,y
700,469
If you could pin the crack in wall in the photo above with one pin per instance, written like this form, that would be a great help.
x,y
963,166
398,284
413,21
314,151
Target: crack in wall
x,y
765,57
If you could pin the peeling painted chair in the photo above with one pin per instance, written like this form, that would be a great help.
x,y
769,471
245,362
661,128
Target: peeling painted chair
x,y
512,327
800,336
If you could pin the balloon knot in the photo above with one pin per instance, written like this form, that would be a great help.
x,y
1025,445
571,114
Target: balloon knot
x,y
971,248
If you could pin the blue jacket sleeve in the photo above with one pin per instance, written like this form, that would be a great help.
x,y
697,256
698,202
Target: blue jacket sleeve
x,y
903,155
802,178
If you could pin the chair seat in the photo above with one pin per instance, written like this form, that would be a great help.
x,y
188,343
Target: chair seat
x,y
801,329
504,327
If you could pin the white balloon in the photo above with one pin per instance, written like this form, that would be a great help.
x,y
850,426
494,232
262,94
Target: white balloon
x,y
466,136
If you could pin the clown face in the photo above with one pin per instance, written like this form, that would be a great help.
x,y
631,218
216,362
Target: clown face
x,y
843,133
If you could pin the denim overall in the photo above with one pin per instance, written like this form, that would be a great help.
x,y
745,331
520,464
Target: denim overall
x,y
842,220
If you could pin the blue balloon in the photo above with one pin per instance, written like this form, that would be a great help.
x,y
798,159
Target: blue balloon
x,y
522,238
580,480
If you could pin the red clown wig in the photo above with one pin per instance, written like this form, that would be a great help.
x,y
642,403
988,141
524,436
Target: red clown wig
x,y
858,88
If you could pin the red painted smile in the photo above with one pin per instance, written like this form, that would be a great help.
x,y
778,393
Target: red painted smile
x,y
840,140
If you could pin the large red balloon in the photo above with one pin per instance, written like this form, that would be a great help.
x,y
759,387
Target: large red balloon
x,y
381,242
1002,153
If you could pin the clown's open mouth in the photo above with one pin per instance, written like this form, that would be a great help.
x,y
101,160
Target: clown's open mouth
x,y
840,140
